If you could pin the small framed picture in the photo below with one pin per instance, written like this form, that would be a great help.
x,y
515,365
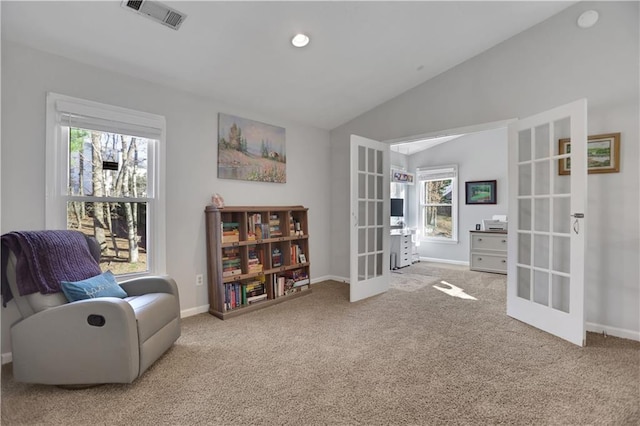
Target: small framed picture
x,y
303,258
481,192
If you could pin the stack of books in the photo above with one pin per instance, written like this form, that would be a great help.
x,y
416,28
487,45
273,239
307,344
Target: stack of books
x,y
253,292
254,261
274,226
230,233
231,262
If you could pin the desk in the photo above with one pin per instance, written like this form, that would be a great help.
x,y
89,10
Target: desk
x,y
401,248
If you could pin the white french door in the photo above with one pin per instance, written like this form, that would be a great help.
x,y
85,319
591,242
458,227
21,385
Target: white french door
x,y
370,220
545,283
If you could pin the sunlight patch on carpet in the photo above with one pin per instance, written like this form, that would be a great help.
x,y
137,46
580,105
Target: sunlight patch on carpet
x,y
454,291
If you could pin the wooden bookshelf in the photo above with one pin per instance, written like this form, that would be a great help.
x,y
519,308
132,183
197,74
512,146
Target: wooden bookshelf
x,y
257,256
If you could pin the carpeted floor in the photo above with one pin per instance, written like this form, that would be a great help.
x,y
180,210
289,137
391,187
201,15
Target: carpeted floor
x,y
415,355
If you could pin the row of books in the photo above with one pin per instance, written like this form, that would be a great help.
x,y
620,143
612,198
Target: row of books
x,y
254,223
297,256
239,294
290,282
242,294
257,230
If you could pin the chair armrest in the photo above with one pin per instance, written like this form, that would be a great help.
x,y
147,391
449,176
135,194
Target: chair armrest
x,y
151,284
61,345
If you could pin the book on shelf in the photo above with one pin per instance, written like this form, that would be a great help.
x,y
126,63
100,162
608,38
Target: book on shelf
x,y
262,231
231,272
258,298
276,257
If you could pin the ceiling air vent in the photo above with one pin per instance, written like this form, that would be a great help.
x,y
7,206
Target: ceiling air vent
x,y
156,11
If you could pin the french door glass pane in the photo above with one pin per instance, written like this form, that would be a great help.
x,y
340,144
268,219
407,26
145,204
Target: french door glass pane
x,y
560,293
542,141
524,145
541,287
524,249
524,179
524,283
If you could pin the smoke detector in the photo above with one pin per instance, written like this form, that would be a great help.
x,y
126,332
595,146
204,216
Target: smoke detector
x,y
156,11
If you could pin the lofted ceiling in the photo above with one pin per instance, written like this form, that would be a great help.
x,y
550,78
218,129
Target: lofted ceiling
x,y
361,53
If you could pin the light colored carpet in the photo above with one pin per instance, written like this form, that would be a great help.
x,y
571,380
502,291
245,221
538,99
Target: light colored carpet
x,y
412,356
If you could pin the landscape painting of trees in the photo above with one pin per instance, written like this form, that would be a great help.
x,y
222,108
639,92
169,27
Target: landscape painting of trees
x,y
250,150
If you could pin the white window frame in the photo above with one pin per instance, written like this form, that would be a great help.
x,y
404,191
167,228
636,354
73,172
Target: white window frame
x,y
109,118
425,174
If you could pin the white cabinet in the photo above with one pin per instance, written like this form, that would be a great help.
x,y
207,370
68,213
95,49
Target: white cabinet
x,y
488,251
401,250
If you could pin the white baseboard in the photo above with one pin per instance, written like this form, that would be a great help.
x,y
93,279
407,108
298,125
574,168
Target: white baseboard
x,y
449,261
330,278
194,311
613,331
7,358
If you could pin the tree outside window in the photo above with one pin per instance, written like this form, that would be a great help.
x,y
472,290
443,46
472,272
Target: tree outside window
x,y
104,165
438,203
437,210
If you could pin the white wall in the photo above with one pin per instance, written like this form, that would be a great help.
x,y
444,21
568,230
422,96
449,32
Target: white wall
x,y
479,156
191,172
550,64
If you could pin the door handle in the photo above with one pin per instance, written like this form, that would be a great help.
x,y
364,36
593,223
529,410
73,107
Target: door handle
x,y
576,224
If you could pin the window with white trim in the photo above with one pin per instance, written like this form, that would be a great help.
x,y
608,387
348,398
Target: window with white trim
x,y
438,203
105,178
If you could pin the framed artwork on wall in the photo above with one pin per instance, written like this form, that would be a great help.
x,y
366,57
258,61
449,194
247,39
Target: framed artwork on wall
x,y
250,150
603,154
481,192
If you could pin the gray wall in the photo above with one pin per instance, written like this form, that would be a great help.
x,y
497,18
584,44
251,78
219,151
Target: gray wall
x,y
479,156
191,171
550,64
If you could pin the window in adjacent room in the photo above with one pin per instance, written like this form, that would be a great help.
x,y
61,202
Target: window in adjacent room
x,y
104,179
438,203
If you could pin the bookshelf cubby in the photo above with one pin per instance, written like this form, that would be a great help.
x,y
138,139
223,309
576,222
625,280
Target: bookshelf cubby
x,y
257,256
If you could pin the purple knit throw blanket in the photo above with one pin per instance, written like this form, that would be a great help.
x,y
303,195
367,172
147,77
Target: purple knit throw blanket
x,y
44,258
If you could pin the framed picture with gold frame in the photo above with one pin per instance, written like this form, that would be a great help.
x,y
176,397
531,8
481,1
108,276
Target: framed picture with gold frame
x,y
603,154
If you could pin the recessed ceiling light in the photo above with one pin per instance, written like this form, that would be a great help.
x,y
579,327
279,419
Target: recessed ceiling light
x,y
300,40
588,19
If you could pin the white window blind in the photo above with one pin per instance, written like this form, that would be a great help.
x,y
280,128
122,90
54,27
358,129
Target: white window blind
x,y
82,114
433,173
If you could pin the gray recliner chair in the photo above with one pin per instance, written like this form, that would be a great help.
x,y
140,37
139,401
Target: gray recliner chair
x,y
101,340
